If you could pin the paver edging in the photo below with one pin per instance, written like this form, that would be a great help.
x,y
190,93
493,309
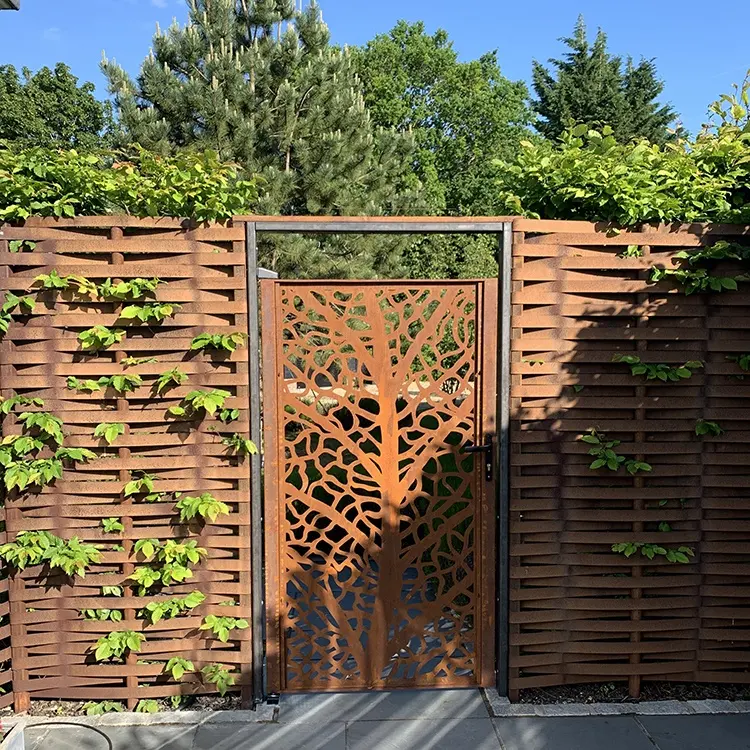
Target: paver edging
x,y
500,707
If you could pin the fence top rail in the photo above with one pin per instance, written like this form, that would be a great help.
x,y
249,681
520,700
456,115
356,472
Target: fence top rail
x,y
336,283
379,224
403,224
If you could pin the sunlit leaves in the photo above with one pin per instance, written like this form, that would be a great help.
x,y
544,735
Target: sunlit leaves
x,y
100,337
170,379
52,182
71,556
117,644
218,341
204,507
240,445
199,401
222,627
109,431
219,675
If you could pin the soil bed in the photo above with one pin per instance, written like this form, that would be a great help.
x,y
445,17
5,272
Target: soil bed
x,y
613,692
53,709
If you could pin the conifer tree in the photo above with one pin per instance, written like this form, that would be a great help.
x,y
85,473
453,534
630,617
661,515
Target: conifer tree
x,y
590,86
259,82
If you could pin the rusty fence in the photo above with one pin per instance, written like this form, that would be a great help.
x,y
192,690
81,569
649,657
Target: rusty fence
x,y
55,621
577,611
580,612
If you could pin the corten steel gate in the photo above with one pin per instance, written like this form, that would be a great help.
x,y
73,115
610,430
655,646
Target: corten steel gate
x,y
383,559
380,403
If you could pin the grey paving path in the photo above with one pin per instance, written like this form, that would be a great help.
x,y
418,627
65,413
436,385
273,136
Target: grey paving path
x,y
419,720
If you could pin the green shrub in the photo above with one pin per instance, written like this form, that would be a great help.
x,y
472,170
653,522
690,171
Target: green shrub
x,y
589,176
46,182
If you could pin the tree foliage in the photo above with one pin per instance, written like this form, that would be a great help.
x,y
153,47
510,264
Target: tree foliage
x,y
47,182
592,87
259,82
462,114
590,175
49,109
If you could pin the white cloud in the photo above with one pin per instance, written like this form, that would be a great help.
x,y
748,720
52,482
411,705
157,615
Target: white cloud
x,y
159,3
52,34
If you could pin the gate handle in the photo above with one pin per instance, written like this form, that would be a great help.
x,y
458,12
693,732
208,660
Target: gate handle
x,y
488,450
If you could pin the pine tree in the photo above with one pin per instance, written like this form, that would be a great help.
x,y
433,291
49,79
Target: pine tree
x,y
260,83
592,87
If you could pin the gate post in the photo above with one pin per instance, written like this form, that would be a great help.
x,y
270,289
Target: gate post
x,y
256,500
505,265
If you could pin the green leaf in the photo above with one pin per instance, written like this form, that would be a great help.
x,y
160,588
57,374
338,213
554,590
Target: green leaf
x,y
132,311
110,431
147,706
170,379
147,547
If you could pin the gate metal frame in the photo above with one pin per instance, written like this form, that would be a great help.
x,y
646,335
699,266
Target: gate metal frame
x,y
500,226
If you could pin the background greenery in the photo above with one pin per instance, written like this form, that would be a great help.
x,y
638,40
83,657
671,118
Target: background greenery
x,y
250,108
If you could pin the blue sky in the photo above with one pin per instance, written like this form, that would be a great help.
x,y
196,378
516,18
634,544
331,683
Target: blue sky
x,y
698,53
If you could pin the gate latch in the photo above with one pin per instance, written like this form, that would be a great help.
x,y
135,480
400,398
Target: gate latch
x,y
488,450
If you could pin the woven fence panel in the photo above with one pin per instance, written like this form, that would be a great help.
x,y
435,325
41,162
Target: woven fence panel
x,y
580,612
205,273
6,688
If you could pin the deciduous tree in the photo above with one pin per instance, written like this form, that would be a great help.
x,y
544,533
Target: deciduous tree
x,y
50,109
462,115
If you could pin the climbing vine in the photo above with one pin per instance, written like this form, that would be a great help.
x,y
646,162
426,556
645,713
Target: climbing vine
x,y
605,456
694,268
657,371
38,456
703,270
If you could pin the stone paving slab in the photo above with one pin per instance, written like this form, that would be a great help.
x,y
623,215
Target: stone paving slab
x,y
412,720
382,706
729,732
271,737
122,738
438,734
584,733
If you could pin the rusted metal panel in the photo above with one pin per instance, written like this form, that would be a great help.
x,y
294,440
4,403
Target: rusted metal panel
x,y
51,641
578,611
385,564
